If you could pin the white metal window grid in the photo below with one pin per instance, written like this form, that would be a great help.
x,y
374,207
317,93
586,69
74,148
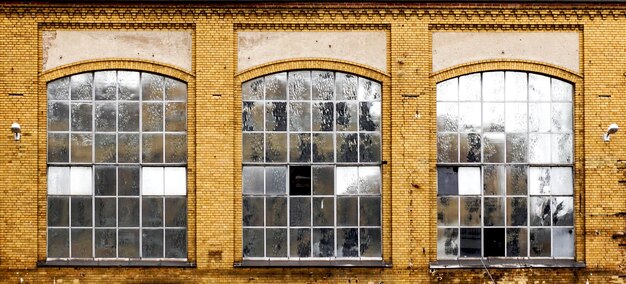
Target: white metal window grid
x,y
332,132
140,163
481,163
140,228
335,225
312,163
505,210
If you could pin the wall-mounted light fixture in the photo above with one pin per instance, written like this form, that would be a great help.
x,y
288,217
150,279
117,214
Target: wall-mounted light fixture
x,y
17,131
611,130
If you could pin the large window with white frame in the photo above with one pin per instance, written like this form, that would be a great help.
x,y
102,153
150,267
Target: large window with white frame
x,y
311,146
505,166
117,156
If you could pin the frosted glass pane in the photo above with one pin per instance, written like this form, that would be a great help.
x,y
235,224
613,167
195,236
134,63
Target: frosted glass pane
x,y
253,180
469,117
81,86
105,116
493,86
563,211
516,211
323,85
369,147
59,89
276,116
493,147
58,116
539,117
516,180
469,87
175,181
563,242
152,116
448,211
251,116
447,243
81,181
176,148
300,85
561,117
105,85
469,181
275,180
493,117
176,116
81,117
346,86
470,211
539,210
447,148
447,116
299,116
516,117
323,116
448,90
347,147
276,147
561,181
152,148
538,88
81,148
347,116
470,147
152,87
323,147
347,180
561,91
494,211
369,180
58,180
539,150
152,181
540,242
369,116
252,90
175,90
494,179
252,147
105,150
516,147
516,86
562,153
539,181
300,147
368,90
128,85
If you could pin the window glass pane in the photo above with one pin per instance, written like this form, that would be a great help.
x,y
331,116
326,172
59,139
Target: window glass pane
x,y
346,86
323,242
448,90
494,178
300,242
81,243
369,207
105,85
347,180
128,180
251,115
447,180
447,148
515,117
346,116
105,212
128,85
58,116
300,147
128,148
516,86
493,86
494,242
253,180
470,148
175,243
128,243
561,91
516,148
368,90
105,117
347,242
322,115
58,180
323,147
470,211
539,150
369,119
469,117
175,90
447,243
562,144
493,147
324,211
493,117
58,211
563,211
539,181
152,243
59,89
539,119
300,116
276,147
448,211
370,242
175,181
128,212
347,214
300,211
369,147
469,181
469,87
128,116
447,116
105,148
516,180
81,116
82,145
81,86
276,242
175,212
516,242
152,87
323,180
58,243
275,211
276,116
470,242
152,148
323,85
561,181
347,145
538,87
369,180
152,117
540,243
58,147
105,243
152,211
563,242
494,211
516,208
539,210
253,147
152,181
80,181
252,90
275,87
253,211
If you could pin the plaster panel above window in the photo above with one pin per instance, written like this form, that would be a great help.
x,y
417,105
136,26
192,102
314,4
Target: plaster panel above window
x,y
555,48
367,48
64,47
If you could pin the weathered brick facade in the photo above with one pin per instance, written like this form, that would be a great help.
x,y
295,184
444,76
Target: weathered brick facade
x,y
408,130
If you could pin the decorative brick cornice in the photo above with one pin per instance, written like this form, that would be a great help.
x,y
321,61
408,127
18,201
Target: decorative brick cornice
x,y
332,11
126,25
298,26
506,27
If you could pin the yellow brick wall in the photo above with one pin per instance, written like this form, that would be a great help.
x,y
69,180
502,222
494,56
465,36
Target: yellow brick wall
x,y
409,190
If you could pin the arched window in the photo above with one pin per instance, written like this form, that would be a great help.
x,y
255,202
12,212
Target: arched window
x,y
505,166
117,156
311,166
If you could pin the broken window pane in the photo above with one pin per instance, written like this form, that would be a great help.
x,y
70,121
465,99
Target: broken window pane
x,y
447,243
494,178
470,148
300,85
252,211
323,242
300,242
276,242
470,211
275,87
300,180
470,242
494,242
540,242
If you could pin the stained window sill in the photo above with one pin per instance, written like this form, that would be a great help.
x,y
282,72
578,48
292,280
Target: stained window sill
x,y
116,263
506,263
312,263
